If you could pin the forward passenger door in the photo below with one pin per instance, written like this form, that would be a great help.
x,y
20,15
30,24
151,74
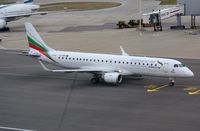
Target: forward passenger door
x,y
166,67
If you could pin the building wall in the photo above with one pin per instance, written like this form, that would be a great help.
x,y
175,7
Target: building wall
x,y
192,7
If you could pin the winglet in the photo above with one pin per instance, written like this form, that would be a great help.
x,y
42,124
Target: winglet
x,y
123,52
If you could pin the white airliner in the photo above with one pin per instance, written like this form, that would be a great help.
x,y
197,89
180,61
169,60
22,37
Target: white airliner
x,y
110,68
16,11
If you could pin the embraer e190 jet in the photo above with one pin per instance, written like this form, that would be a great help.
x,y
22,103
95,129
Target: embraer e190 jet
x,y
106,67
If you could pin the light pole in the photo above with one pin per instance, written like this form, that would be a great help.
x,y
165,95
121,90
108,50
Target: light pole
x,y
140,18
140,13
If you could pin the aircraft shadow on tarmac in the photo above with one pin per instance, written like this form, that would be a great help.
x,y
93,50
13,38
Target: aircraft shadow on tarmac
x,y
88,28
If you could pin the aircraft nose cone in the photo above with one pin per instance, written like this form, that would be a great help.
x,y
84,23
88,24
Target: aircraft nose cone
x,y
190,73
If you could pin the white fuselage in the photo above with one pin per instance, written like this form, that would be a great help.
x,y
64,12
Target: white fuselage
x,y
108,67
127,65
7,11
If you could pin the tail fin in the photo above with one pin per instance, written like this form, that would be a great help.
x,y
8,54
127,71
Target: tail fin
x,y
28,1
35,41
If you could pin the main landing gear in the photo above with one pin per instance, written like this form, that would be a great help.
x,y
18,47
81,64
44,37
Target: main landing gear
x,y
171,83
95,79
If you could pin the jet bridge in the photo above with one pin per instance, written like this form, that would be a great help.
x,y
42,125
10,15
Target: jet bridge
x,y
155,17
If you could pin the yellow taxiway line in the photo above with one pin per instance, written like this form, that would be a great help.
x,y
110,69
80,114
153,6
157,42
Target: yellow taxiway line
x,y
157,88
192,90
194,93
151,86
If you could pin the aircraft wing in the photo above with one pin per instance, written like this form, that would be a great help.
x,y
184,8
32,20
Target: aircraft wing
x,y
84,69
24,15
123,51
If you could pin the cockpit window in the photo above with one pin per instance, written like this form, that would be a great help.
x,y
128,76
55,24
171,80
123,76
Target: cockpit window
x,y
179,65
175,65
183,65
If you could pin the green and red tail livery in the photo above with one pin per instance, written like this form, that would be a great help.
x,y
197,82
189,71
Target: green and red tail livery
x,y
35,45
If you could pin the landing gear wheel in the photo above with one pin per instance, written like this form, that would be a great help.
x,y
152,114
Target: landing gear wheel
x,y
171,83
94,80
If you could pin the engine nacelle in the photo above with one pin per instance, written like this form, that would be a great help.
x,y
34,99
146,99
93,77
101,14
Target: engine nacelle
x,y
2,23
112,77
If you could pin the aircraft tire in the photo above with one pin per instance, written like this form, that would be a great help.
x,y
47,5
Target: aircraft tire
x,y
95,80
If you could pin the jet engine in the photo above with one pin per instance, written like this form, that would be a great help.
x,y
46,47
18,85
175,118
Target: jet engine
x,y
113,77
2,23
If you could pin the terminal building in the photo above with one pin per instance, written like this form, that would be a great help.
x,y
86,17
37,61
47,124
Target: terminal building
x,y
191,8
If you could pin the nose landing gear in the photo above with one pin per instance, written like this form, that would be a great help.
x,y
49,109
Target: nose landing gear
x,y
171,83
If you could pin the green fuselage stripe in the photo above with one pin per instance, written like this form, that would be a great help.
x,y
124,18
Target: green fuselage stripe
x,y
36,44
30,40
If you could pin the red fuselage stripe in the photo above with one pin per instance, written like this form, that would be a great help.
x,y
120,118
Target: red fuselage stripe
x,y
38,49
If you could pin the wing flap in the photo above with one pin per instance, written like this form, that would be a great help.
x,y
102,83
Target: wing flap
x,y
123,51
24,15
